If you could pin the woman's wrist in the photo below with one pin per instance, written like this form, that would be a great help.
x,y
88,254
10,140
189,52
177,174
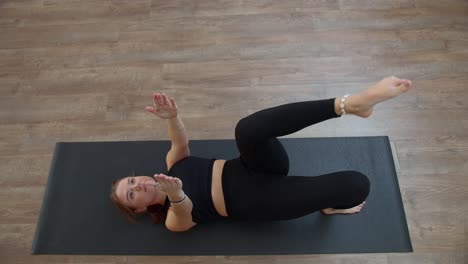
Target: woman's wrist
x,y
176,196
177,132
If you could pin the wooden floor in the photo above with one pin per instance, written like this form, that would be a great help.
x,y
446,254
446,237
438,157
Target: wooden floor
x,y
73,70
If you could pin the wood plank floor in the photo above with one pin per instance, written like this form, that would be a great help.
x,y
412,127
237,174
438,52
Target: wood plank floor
x,y
76,70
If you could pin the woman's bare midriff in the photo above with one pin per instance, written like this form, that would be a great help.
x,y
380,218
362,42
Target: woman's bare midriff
x,y
217,187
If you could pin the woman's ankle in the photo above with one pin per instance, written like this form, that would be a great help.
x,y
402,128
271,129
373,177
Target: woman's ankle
x,y
354,104
337,106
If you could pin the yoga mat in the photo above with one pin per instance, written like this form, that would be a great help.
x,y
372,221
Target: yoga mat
x,y
78,217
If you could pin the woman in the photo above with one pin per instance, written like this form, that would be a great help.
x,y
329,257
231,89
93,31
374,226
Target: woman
x,y
254,186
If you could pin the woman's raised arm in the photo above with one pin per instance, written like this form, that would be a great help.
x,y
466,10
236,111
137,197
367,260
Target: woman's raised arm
x,y
166,108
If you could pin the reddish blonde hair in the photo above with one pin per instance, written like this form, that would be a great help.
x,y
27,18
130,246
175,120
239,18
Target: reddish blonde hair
x,y
158,212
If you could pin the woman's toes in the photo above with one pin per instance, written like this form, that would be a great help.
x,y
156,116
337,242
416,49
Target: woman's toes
x,y
405,85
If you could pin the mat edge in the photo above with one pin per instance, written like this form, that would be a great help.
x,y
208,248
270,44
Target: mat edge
x,y
40,222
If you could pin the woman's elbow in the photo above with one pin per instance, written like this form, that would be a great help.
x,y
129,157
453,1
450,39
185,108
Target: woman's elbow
x,y
178,230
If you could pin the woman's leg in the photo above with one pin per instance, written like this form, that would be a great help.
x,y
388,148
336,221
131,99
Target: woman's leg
x,y
256,134
296,196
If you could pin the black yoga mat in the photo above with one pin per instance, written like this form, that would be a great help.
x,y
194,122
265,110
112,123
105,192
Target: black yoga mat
x,y
77,216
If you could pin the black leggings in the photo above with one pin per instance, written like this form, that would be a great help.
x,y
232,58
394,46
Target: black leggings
x,y
256,185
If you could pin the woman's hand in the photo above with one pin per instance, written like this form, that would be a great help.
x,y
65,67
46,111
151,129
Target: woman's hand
x,y
164,107
168,184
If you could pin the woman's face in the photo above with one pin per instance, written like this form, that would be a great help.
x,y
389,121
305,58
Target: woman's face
x,y
137,192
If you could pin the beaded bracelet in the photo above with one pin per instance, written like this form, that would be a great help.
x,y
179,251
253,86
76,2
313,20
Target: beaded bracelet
x,y
343,99
179,202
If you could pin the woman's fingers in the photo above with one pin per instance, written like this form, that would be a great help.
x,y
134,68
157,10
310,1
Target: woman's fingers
x,y
149,109
160,180
173,103
164,178
165,100
167,179
159,177
161,99
157,99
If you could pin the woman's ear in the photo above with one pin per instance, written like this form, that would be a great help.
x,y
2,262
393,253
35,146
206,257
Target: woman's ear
x,y
140,210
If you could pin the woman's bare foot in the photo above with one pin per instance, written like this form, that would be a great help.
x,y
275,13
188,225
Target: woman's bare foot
x,y
362,104
356,209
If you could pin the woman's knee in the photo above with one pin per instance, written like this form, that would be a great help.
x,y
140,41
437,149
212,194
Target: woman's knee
x,y
359,182
240,128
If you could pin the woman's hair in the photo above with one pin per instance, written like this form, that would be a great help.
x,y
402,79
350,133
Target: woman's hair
x,y
158,212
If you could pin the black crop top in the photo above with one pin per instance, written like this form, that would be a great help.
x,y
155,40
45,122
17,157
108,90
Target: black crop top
x,y
196,174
